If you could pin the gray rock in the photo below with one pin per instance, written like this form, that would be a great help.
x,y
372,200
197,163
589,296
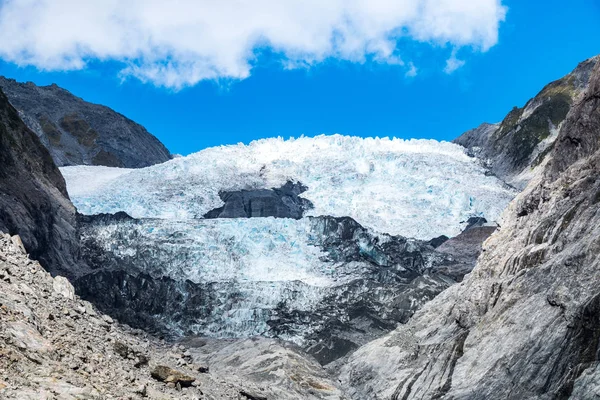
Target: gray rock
x,y
62,286
16,239
33,197
283,202
80,133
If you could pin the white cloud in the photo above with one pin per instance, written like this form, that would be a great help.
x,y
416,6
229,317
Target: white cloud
x,y
453,63
412,70
179,43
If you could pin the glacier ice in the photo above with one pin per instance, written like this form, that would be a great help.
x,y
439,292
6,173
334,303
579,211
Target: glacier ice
x,y
414,188
303,280
248,271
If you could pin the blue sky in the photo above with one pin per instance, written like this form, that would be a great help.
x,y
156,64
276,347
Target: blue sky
x,y
538,42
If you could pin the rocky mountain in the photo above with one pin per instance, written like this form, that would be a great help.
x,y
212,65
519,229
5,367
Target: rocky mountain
x,y
80,133
33,197
527,135
525,323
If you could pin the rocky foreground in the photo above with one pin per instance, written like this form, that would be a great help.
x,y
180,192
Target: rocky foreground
x,y
56,346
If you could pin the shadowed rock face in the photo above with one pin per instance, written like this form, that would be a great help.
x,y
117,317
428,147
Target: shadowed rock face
x,y
283,202
33,197
525,323
526,135
80,133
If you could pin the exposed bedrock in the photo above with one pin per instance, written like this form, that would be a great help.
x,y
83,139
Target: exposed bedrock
x,y
283,202
33,198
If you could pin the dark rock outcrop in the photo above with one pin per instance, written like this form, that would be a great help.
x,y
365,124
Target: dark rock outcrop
x,y
525,323
526,135
80,133
283,202
33,198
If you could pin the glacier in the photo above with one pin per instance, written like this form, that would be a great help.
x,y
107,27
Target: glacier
x,y
275,277
349,270
413,188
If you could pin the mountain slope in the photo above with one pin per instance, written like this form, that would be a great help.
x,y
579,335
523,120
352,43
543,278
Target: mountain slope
x,y
80,133
525,323
33,198
526,135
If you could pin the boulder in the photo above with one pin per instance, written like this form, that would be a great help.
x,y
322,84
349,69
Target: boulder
x,y
62,286
166,374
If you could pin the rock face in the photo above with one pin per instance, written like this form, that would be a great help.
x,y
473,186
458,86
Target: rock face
x,y
525,323
283,202
80,133
526,135
33,198
334,284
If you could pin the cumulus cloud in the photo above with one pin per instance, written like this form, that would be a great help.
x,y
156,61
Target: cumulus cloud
x,y
177,43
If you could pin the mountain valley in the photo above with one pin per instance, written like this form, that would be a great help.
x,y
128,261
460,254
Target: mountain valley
x,y
328,267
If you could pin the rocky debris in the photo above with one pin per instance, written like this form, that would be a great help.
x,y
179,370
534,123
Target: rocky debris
x,y
267,368
283,202
524,323
16,239
33,197
80,133
527,135
62,286
57,346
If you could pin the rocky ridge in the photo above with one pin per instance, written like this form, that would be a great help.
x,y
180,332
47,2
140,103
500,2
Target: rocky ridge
x,y
80,133
527,135
33,197
524,324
